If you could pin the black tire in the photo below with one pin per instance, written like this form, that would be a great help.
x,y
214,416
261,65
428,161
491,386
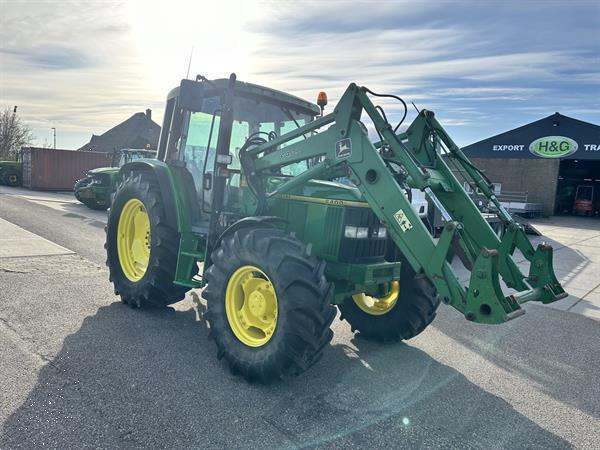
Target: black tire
x,y
155,288
93,204
79,184
414,310
303,300
498,228
12,177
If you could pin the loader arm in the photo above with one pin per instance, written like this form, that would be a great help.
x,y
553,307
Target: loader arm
x,y
344,149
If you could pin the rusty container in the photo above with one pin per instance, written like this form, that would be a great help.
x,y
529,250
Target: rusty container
x,y
57,170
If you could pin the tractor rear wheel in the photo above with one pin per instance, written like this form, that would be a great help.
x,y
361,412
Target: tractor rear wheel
x,y
141,247
406,311
12,177
268,304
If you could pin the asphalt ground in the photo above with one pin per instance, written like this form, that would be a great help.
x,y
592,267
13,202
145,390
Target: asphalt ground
x,y
79,369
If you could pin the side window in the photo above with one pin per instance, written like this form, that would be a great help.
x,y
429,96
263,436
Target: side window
x,y
166,127
240,131
201,139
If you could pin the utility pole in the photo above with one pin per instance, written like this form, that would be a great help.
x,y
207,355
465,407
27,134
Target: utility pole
x,y
54,129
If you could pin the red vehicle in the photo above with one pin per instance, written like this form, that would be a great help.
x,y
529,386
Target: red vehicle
x,y
584,201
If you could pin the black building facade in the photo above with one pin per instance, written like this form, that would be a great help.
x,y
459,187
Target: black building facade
x,y
553,162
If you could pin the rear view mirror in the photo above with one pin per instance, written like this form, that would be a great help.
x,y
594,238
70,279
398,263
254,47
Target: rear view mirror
x,y
190,95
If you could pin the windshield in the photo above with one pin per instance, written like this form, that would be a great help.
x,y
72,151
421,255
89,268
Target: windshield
x,y
250,116
127,157
253,117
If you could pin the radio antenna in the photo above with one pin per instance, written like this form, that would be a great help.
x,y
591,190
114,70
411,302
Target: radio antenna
x,y
187,75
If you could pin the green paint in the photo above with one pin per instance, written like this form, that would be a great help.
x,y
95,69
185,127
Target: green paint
x,y
320,221
553,147
108,177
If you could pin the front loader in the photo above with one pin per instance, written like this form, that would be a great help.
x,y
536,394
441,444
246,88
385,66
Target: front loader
x,y
281,213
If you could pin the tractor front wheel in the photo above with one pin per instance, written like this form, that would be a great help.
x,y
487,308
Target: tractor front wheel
x,y
141,247
407,310
95,204
268,304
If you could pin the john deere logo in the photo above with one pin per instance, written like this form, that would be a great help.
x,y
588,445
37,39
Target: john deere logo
x,y
343,148
553,147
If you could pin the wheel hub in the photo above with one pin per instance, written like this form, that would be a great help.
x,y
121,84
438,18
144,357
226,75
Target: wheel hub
x,y
133,239
251,306
257,303
377,306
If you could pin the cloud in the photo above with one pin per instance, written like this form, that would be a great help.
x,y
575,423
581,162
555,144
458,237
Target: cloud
x,y
484,67
52,58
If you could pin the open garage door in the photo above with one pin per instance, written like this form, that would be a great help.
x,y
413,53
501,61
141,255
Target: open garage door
x,y
578,190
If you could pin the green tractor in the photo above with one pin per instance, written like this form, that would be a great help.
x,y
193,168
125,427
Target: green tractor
x,y
283,214
11,173
96,189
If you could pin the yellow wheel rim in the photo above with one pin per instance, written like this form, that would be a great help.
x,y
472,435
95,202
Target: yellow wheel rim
x,y
251,306
376,306
133,239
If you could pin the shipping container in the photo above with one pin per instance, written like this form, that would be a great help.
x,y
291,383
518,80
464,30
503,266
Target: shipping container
x,y
57,170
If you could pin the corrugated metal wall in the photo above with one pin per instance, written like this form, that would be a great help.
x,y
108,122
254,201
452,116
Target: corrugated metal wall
x,y
58,170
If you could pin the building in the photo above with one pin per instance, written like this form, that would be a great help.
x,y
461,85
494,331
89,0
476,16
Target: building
x,y
553,163
139,131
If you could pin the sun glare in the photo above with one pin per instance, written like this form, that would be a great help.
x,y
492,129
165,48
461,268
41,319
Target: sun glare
x,y
166,33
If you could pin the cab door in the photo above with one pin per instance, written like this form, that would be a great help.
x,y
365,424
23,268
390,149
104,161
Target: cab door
x,y
197,150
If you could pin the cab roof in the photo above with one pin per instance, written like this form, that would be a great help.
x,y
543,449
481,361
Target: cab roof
x,y
255,89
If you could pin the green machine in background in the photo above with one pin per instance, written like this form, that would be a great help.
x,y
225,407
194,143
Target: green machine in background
x,y
11,173
96,189
291,213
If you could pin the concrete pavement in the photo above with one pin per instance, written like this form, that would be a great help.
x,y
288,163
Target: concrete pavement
x,y
576,241
17,242
576,244
78,369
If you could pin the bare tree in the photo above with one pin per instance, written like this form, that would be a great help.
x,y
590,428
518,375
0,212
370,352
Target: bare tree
x,y
13,134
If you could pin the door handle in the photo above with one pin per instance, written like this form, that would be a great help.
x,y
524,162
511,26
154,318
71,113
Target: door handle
x,y
207,181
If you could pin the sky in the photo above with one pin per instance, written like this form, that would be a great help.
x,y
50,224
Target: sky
x,y
483,66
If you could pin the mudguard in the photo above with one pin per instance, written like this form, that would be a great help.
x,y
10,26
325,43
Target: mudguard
x,y
166,183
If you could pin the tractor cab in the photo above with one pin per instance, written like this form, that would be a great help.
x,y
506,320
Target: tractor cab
x,y
206,124
127,155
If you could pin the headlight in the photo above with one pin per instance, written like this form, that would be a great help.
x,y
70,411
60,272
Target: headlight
x,y
356,232
382,232
350,232
362,233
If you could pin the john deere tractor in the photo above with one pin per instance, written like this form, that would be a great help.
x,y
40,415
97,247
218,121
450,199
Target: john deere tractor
x,y
95,190
282,214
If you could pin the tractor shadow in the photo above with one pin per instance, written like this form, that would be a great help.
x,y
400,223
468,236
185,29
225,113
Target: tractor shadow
x,y
151,379
549,345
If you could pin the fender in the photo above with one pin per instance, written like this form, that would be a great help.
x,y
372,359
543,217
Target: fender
x,y
252,221
163,175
